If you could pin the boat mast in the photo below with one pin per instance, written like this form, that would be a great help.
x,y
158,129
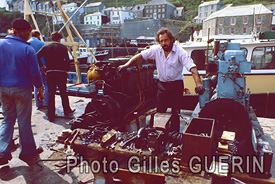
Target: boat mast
x,y
27,12
70,40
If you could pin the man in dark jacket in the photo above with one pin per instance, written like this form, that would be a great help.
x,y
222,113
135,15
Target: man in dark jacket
x,y
57,66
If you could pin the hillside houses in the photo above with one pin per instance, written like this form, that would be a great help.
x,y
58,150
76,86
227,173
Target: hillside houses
x,y
205,9
97,19
146,19
157,9
238,20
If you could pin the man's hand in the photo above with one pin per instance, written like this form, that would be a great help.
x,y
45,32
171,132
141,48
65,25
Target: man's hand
x,y
43,69
40,94
121,68
200,89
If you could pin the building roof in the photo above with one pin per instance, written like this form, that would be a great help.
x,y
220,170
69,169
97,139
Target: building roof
x,y
93,4
230,11
137,7
69,5
157,2
211,3
95,14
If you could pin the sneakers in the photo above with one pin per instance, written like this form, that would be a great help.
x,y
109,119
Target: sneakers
x,y
29,157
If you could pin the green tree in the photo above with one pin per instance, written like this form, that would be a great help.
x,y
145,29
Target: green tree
x,y
186,30
7,18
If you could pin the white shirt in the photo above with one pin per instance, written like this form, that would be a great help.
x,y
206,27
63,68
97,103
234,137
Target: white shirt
x,y
170,68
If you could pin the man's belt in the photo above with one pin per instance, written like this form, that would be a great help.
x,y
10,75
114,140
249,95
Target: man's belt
x,y
171,82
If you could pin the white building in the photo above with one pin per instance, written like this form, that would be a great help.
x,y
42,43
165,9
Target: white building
x,y
178,11
118,15
205,9
95,18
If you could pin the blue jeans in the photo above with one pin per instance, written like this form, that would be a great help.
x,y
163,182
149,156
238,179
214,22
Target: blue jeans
x,y
46,92
16,103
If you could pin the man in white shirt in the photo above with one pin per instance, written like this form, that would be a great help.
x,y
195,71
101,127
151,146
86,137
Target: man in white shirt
x,y
170,60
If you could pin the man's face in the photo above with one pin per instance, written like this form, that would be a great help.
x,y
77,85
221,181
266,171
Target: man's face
x,y
165,42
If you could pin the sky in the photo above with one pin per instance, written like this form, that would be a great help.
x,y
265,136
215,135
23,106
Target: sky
x,y
2,3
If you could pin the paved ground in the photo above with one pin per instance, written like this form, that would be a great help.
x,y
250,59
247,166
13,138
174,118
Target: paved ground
x,y
45,132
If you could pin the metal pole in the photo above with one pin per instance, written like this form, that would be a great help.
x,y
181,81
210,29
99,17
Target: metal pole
x,y
72,16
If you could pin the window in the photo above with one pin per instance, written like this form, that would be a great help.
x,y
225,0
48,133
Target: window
x,y
220,31
147,11
220,22
163,6
233,21
245,20
232,30
151,11
212,7
200,15
258,29
198,57
244,30
263,58
159,10
158,16
163,10
155,10
200,8
205,14
206,8
259,19
163,16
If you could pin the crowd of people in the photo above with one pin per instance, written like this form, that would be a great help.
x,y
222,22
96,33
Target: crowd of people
x,y
26,61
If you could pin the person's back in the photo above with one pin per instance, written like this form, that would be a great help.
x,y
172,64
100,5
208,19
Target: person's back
x,y
37,44
22,68
18,71
58,58
57,66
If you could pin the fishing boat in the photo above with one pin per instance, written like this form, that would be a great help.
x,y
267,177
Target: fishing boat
x,y
99,54
260,81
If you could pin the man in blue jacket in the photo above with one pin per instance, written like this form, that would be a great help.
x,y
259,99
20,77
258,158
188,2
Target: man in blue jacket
x,y
18,72
37,44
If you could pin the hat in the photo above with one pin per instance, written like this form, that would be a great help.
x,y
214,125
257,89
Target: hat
x,y
20,24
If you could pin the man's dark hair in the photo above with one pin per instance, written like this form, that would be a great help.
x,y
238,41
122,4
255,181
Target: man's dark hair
x,y
56,36
164,30
35,33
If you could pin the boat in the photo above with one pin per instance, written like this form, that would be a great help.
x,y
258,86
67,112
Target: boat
x,y
260,81
99,54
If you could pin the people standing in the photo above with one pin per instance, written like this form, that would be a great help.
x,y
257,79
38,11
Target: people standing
x,y
18,72
170,60
57,66
37,44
